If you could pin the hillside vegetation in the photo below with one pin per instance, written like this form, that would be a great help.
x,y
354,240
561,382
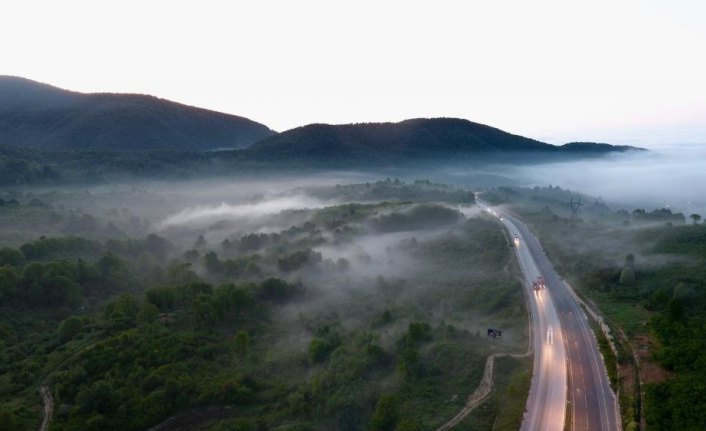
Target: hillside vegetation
x,y
42,117
415,139
356,316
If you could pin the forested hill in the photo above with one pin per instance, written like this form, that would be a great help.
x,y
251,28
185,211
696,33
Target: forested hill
x,y
39,116
420,138
596,147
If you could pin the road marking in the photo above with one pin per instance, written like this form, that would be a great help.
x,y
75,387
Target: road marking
x,y
546,405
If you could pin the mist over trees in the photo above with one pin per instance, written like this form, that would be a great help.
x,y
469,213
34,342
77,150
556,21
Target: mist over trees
x,y
316,316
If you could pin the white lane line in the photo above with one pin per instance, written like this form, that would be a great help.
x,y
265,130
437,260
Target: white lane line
x,y
549,382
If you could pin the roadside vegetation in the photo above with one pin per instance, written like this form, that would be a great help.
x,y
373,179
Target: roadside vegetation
x,y
644,270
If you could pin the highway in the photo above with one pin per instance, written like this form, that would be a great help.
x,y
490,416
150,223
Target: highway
x,y
568,368
546,404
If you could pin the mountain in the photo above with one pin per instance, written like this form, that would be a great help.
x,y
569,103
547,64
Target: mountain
x,y
597,147
415,139
40,116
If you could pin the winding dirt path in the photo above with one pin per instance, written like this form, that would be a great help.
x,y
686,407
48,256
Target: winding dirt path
x,y
482,391
48,402
45,392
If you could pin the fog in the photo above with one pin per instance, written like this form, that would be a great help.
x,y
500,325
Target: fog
x,y
672,177
204,214
378,254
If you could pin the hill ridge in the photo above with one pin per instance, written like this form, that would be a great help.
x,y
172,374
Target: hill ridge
x,y
41,116
414,138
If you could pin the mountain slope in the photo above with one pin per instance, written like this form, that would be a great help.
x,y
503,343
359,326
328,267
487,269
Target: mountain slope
x,y
596,147
438,138
35,115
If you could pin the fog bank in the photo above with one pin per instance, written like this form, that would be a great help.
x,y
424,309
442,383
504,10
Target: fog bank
x,y
673,177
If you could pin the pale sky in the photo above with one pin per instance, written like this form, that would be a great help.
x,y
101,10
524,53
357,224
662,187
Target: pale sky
x,y
617,71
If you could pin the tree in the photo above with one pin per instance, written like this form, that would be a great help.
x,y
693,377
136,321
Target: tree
x,y
100,397
408,362
211,262
148,313
12,257
229,299
162,297
675,310
8,420
8,281
627,277
251,269
407,425
418,332
69,328
319,350
122,312
178,273
59,289
203,309
695,217
386,414
241,343
276,290
109,264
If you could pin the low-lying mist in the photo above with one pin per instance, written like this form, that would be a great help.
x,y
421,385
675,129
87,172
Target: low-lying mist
x,y
201,215
668,176
671,177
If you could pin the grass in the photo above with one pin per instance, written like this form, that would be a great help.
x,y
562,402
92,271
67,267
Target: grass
x,y
631,317
504,408
609,358
456,368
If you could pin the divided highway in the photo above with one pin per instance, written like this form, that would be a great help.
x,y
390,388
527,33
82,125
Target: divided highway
x,y
546,404
568,368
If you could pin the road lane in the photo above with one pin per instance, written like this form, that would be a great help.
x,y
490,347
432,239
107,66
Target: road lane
x,y
546,405
593,403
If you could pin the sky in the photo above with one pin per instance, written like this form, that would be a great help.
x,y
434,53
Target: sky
x,y
619,71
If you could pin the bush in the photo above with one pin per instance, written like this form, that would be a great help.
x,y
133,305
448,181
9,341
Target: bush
x,y
12,257
627,277
386,414
69,328
8,421
319,350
